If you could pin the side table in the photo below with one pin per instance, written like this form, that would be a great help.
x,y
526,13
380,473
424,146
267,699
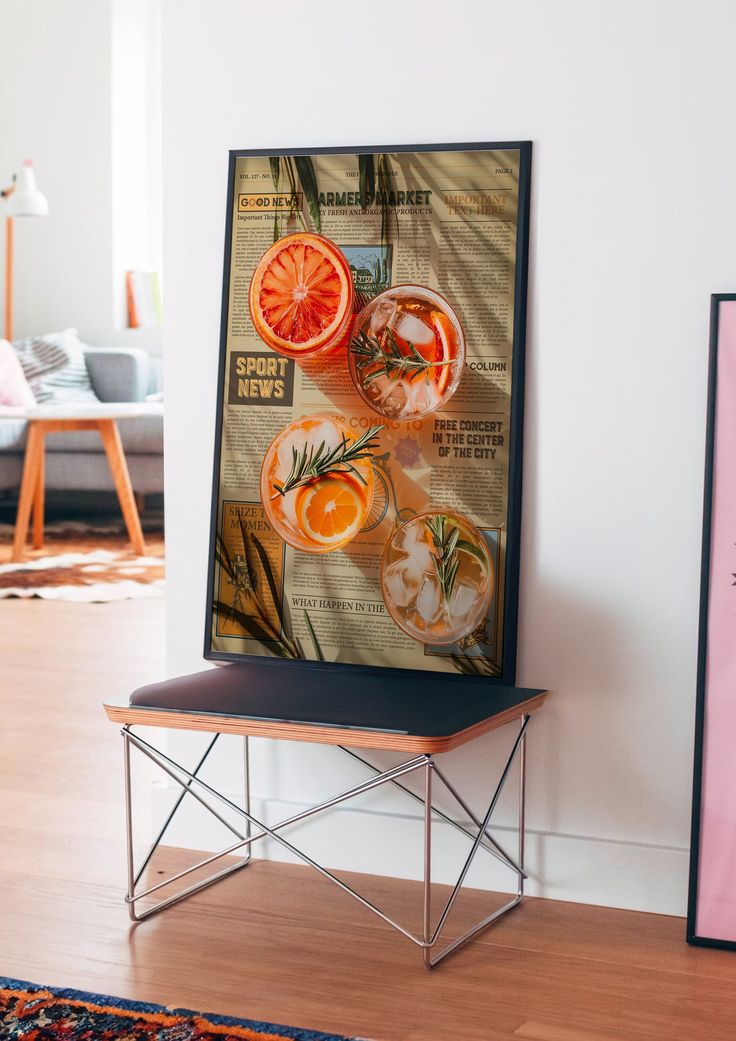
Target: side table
x,y
420,716
47,419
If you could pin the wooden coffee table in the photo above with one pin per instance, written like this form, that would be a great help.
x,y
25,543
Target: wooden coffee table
x,y
47,419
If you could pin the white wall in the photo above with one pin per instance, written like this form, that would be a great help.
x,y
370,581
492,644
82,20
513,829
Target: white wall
x,y
55,108
633,226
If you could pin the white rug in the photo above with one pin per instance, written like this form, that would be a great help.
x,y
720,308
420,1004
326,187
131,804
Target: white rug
x,y
100,576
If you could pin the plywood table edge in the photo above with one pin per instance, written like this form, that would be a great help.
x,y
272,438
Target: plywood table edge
x,y
327,735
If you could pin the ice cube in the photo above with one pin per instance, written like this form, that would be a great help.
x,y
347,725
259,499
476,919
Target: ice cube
x,y
411,328
324,431
402,582
420,556
421,396
429,599
294,439
390,394
382,315
408,535
411,540
463,599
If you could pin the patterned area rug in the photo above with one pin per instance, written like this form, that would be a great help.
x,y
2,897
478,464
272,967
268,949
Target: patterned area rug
x,y
32,1013
83,561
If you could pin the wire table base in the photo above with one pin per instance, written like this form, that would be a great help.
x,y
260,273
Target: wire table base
x,y
252,829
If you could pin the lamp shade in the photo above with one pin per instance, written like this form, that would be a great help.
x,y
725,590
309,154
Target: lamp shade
x,y
26,200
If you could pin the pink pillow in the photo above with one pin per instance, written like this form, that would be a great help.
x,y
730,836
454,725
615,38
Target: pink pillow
x,y
14,387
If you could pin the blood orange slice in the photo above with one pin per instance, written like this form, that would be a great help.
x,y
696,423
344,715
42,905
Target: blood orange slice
x,y
445,334
301,295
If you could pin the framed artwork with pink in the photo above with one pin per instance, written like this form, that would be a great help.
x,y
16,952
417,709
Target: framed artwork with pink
x,y
712,898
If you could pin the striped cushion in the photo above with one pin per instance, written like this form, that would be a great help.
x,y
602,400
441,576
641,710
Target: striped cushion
x,y
55,368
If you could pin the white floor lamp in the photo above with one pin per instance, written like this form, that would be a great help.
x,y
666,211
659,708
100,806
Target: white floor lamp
x,y
23,200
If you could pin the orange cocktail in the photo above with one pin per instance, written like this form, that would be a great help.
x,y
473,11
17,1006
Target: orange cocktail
x,y
407,351
301,296
437,576
317,483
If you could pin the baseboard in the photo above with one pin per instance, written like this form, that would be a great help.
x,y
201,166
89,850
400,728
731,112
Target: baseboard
x,y
577,868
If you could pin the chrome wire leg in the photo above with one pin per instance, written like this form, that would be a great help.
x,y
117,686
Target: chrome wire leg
x,y
522,807
132,897
172,814
427,923
518,748
170,767
488,843
246,795
129,824
191,784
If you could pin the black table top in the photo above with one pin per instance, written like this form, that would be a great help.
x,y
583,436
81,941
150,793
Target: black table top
x,y
428,705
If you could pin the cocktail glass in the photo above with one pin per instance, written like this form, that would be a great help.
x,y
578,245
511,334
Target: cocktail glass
x,y
301,296
437,576
407,352
316,514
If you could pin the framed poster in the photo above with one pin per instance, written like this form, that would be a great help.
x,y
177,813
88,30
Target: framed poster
x,y
712,902
367,475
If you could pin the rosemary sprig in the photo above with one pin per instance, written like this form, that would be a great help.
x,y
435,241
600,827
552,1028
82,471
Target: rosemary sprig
x,y
445,536
386,353
311,462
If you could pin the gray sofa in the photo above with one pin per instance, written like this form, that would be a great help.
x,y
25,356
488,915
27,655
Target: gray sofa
x,y
75,461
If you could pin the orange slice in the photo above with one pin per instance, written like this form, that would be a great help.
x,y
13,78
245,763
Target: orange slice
x,y
444,332
301,295
330,510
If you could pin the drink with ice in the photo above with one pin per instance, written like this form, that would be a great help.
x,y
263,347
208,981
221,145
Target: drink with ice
x,y
313,507
407,352
437,577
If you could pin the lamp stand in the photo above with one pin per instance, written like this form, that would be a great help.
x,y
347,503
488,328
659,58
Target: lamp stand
x,y
8,278
4,194
26,201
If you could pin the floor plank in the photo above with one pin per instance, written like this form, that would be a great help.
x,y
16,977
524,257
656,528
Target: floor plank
x,y
274,941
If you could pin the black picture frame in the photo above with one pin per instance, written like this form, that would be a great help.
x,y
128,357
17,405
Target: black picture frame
x,y
516,435
701,707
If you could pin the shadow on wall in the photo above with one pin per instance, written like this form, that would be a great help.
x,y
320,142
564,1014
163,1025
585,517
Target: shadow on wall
x,y
567,720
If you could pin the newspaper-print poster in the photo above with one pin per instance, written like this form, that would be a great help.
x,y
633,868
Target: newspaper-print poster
x,y
368,459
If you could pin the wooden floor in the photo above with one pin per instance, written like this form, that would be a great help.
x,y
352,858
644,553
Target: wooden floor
x,y
274,942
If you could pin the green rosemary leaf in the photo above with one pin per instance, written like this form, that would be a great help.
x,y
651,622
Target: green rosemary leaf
x,y
419,357
385,176
452,541
445,537
471,549
275,164
311,464
356,473
305,169
366,179
374,376
291,174
394,347
387,355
